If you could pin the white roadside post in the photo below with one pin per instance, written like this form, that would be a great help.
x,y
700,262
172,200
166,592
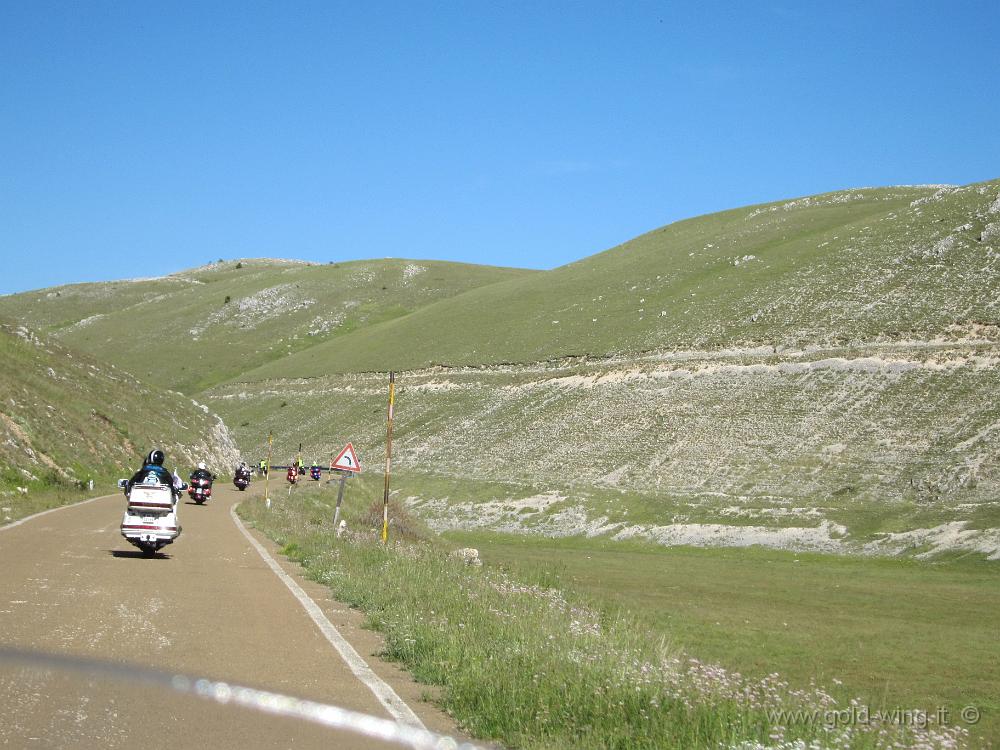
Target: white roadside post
x,y
267,469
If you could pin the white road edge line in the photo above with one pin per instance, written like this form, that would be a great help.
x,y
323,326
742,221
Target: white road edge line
x,y
395,705
18,522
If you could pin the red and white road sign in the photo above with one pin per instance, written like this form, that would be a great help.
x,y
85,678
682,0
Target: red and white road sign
x,y
347,460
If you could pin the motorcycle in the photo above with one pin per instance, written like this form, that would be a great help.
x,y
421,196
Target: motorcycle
x,y
315,473
200,489
292,476
241,480
150,520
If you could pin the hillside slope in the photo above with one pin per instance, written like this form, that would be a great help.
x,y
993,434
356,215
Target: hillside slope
x,y
66,419
847,266
883,448
197,327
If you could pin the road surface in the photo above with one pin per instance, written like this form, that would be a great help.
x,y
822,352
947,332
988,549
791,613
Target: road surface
x,y
208,606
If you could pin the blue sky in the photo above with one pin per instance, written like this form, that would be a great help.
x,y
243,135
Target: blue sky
x,y
138,139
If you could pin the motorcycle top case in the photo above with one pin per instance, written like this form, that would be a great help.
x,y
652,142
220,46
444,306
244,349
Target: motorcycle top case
x,y
150,498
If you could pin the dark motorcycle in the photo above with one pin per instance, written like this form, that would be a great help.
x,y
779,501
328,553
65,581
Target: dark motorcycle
x,y
200,489
242,480
315,473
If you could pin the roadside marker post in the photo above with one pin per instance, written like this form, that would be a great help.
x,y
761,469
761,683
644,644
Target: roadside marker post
x,y
344,476
388,458
267,473
346,464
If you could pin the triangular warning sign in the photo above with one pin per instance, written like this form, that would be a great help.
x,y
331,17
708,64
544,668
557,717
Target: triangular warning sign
x,y
347,460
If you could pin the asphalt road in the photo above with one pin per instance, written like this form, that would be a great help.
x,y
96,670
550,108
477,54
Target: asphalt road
x,y
207,606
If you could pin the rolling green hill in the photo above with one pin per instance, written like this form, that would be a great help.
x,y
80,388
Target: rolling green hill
x,y
842,267
195,328
67,419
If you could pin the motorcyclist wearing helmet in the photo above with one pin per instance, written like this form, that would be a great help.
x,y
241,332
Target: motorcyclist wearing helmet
x,y
202,472
243,470
153,466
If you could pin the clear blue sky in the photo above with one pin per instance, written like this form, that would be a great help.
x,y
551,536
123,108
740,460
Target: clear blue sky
x,y
138,139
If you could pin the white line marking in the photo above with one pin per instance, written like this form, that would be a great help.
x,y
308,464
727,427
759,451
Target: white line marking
x,y
395,705
51,510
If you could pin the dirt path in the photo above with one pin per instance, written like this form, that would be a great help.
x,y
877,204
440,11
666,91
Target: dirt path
x,y
209,606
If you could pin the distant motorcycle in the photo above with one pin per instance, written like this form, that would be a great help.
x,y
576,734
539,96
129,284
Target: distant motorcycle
x,y
242,480
292,475
315,473
200,489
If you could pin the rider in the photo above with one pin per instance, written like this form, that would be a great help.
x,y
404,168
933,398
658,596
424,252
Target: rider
x,y
243,470
292,474
263,467
152,465
202,472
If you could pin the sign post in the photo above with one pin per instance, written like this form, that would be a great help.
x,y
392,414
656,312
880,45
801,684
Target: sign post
x,y
267,469
340,500
347,465
388,458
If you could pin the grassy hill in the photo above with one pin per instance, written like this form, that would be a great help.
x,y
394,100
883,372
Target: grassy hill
x,y
192,329
841,267
67,419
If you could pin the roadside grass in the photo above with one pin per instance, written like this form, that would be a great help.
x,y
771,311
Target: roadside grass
x,y
45,493
534,665
898,633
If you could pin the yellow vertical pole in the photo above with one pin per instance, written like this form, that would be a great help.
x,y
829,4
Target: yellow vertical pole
x,y
267,472
388,458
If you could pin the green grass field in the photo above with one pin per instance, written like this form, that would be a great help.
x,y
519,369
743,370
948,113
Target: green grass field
x,y
580,643
897,633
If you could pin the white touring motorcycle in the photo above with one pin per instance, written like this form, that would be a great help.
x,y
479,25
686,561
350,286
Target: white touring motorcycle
x,y
150,520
